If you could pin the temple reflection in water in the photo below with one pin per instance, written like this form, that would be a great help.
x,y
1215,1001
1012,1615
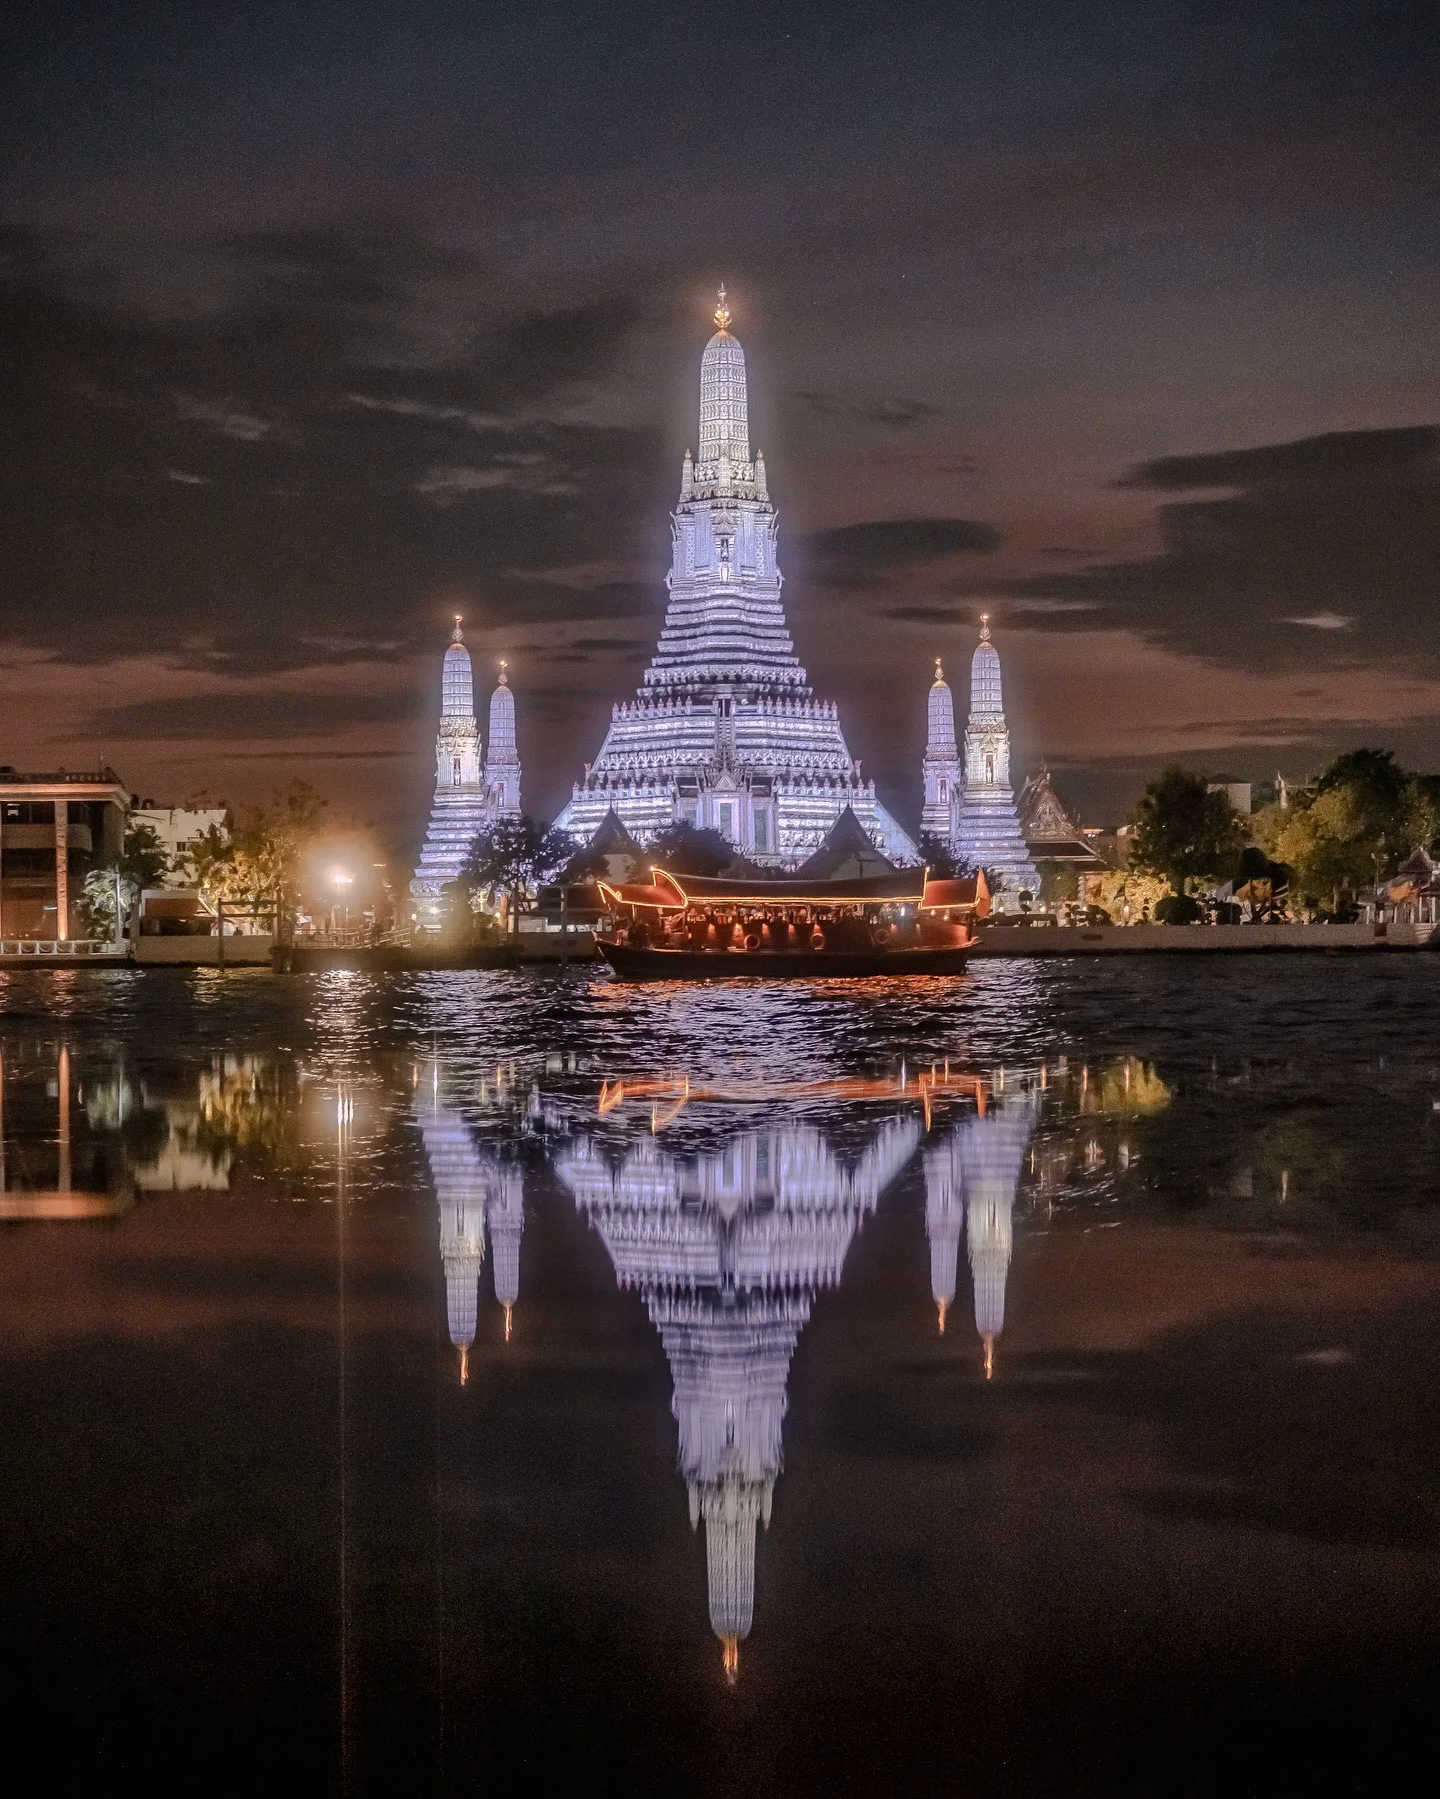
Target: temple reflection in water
x,y
971,1179
474,1192
730,1235
729,1249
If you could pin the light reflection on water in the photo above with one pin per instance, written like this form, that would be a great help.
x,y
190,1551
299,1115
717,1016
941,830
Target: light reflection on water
x,y
1000,1197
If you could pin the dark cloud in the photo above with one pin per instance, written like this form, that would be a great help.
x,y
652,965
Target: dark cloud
x,y
1336,459
857,555
1325,552
230,717
894,409
291,469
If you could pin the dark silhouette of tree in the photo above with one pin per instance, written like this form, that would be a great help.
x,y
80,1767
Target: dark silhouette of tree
x,y
688,850
515,856
1184,832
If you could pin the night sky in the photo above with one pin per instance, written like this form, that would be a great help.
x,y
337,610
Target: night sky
x,y
322,323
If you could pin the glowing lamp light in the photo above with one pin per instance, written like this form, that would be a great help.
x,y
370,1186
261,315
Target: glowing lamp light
x,y
341,877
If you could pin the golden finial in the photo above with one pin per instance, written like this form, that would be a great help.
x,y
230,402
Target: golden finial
x,y
509,1319
504,677
730,1661
984,627
939,672
943,1306
989,1356
722,311
464,1363
459,619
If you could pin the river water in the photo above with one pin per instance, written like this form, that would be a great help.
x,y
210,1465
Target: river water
x,y
995,1385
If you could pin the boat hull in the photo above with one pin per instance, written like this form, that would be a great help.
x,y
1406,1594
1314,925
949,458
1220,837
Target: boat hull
x,y
635,964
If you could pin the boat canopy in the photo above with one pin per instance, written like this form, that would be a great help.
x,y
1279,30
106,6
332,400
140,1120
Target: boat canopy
x,y
906,885
972,891
640,893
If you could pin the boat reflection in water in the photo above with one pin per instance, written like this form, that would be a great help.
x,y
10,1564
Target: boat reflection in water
x,y
474,1192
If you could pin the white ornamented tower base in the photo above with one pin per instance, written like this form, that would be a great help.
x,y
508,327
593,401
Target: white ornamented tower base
x,y
726,733
467,801
987,831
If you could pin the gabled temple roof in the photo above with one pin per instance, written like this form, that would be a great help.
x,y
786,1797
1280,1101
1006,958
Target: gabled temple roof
x,y
847,853
1051,835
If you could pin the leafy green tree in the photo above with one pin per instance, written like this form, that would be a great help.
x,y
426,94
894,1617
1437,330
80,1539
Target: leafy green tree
x,y
142,863
257,855
514,857
1184,832
686,849
1358,822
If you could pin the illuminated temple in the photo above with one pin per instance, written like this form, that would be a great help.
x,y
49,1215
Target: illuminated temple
x,y
729,1247
726,733
472,790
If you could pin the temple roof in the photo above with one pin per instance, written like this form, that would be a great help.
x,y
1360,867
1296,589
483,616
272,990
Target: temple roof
x,y
846,853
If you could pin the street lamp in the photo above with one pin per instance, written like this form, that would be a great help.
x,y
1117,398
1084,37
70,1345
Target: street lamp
x,y
340,879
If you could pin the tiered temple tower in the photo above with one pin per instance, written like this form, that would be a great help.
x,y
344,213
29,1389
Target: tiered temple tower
x,y
472,1189
974,1174
466,802
944,781
729,1248
725,732
987,832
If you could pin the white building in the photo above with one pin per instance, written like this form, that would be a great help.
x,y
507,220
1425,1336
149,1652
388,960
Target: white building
x,y
178,828
467,800
726,733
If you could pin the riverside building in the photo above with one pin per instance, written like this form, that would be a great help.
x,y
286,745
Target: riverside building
x,y
726,733
472,790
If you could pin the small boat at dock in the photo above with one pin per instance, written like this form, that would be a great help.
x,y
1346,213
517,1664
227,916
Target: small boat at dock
x,y
706,928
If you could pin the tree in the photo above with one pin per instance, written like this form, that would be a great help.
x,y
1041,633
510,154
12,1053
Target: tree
x,y
142,863
1358,822
257,856
515,856
1185,833
940,859
686,849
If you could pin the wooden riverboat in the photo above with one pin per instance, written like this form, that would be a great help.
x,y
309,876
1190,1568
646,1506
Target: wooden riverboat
x,y
699,928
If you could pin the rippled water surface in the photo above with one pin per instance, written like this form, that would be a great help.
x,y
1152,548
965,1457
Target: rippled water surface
x,y
1017,1384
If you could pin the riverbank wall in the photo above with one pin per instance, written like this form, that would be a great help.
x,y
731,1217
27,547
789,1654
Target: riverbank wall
x,y
1199,939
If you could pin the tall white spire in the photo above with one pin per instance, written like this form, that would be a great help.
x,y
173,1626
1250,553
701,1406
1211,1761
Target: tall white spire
x,y
943,780
987,833
724,410
502,765
466,801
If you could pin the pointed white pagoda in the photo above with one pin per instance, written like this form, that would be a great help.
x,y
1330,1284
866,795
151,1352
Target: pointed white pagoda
x,y
502,761
725,732
944,781
987,832
729,1248
467,801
